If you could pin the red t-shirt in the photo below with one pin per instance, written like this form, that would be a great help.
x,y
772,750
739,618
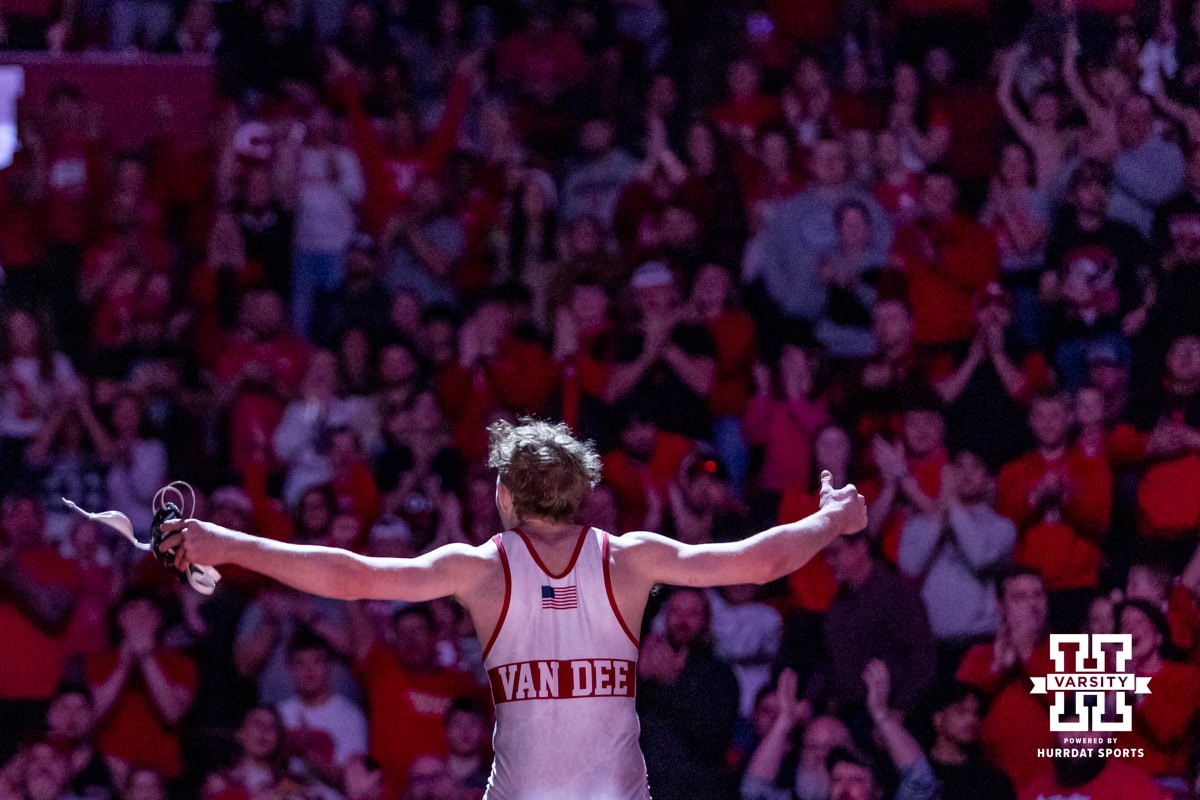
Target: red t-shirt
x,y
134,731
32,661
733,331
1017,722
946,264
632,482
1066,550
406,711
1117,781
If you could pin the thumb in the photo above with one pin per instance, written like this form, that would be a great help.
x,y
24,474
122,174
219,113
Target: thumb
x,y
826,480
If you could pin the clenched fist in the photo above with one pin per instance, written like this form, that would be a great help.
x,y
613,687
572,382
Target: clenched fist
x,y
198,542
845,506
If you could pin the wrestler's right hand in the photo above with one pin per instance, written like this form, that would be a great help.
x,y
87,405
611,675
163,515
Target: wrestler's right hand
x,y
197,542
847,507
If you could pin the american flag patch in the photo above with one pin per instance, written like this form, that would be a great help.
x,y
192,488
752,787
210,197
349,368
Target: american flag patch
x,y
559,597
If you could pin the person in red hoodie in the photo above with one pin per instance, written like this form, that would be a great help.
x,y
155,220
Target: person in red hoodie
x,y
392,163
1017,723
1061,501
946,258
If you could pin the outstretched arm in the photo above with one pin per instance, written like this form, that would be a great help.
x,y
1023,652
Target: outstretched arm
x,y
327,571
762,558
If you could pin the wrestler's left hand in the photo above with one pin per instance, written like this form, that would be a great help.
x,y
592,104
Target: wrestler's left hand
x,y
197,542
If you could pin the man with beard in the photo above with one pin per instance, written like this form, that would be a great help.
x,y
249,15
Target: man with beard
x,y
688,702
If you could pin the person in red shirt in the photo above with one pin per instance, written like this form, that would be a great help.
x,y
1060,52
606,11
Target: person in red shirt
x,y
496,369
408,693
38,593
641,467
141,689
1061,501
1177,598
258,371
747,110
946,258
1017,722
910,471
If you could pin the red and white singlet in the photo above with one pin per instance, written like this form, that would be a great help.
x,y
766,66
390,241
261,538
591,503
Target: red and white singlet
x,y
563,668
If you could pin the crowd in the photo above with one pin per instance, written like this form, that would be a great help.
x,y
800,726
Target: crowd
x,y
948,250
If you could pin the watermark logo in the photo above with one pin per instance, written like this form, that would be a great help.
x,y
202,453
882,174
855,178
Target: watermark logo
x,y
1101,661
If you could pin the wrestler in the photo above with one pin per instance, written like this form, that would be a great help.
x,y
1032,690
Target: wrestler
x,y
557,604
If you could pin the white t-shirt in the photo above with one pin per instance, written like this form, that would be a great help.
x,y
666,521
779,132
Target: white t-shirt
x,y
343,721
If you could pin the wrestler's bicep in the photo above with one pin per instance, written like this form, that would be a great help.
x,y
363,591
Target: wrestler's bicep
x,y
444,572
659,559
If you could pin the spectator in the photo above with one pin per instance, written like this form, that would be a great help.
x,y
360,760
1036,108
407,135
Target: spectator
x,y
359,301
849,273
1092,283
408,693
767,766
38,376
957,712
1167,418
1061,502
138,466
640,468
38,592
1041,131
257,373
266,627
1016,723
38,772
1175,238
746,635
713,302
303,439
1018,213
666,361
139,24
68,458
986,393
876,614
424,245
953,551
910,471
468,737
260,766
688,703
1163,726
142,690
803,228
593,184
946,259
324,729
322,181
70,726
782,418
1148,171
923,131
